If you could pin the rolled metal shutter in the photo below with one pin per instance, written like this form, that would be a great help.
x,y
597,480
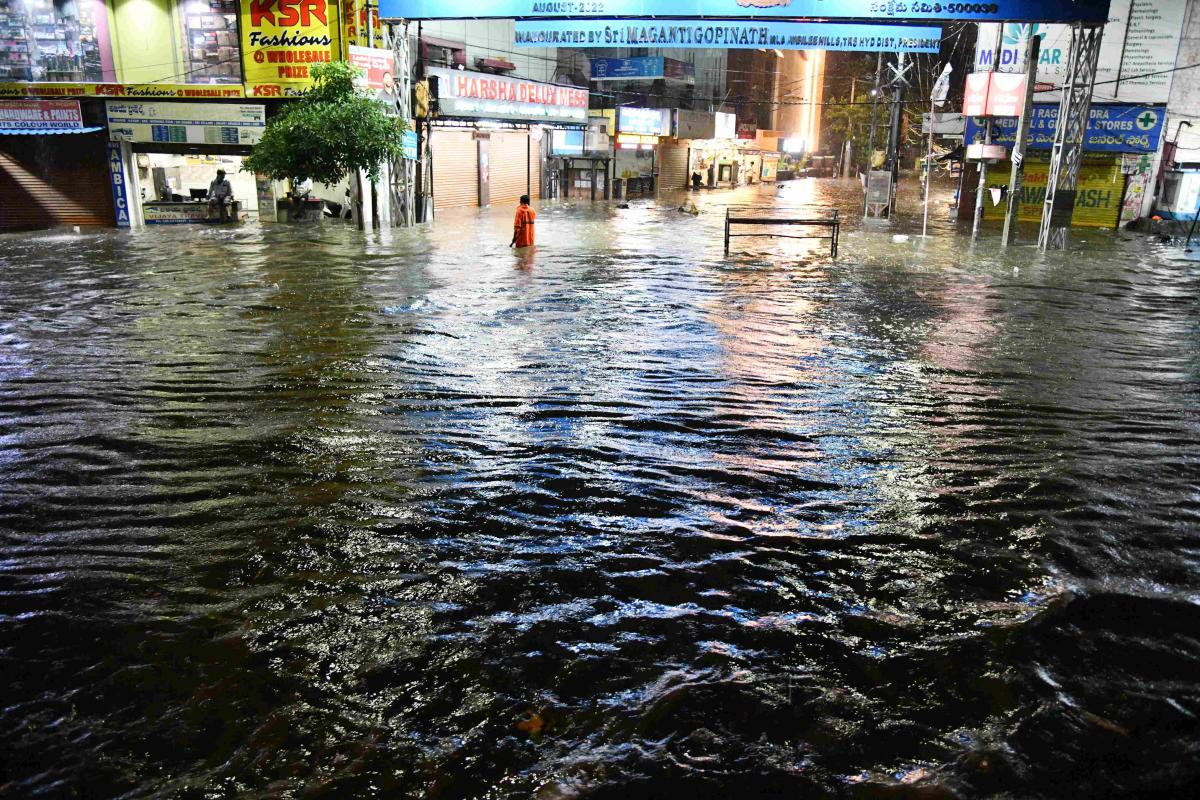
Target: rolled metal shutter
x,y
510,160
455,168
52,180
1099,194
673,163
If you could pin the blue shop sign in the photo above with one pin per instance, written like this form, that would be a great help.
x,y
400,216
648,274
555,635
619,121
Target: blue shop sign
x,y
727,34
1111,128
867,10
609,69
408,143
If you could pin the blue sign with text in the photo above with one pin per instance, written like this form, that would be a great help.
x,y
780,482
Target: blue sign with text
x,y
728,34
611,69
116,174
408,142
878,10
1111,128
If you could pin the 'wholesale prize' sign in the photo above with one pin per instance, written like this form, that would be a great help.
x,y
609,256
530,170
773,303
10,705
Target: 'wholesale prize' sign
x,y
487,96
882,10
727,34
281,40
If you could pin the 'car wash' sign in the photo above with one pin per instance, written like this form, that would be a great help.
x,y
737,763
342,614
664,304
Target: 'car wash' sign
x,y
482,95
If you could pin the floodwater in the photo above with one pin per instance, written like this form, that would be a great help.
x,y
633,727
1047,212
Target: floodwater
x,y
298,512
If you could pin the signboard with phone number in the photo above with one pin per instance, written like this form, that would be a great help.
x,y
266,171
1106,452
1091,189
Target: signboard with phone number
x,y
865,10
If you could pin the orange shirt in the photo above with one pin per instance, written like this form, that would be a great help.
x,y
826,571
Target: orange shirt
x,y
523,226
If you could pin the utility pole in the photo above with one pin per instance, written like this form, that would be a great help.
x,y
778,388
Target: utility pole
x,y
1016,176
893,152
874,112
987,139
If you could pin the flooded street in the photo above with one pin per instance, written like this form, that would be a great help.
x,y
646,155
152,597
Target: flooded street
x,y
298,512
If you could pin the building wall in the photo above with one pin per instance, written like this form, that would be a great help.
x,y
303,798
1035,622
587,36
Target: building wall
x,y
1185,88
799,92
493,38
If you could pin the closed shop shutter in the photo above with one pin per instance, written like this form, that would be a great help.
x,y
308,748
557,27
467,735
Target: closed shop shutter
x,y
455,170
53,180
509,159
1101,190
673,166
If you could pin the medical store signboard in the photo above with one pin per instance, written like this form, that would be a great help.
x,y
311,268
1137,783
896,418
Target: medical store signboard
x,y
186,123
727,34
1137,52
1111,128
881,10
40,115
281,40
485,96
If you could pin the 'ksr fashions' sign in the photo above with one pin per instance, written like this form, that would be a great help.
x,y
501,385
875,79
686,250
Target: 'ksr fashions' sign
x,y
281,40
476,94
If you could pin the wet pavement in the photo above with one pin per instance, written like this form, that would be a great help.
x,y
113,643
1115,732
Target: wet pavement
x,y
294,512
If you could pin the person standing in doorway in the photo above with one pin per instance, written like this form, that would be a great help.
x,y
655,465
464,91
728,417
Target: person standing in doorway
x,y
220,195
523,224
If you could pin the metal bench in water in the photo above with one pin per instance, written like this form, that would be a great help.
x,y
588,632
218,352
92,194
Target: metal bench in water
x,y
752,216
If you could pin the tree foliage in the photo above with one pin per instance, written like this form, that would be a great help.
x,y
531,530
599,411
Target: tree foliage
x,y
844,120
333,130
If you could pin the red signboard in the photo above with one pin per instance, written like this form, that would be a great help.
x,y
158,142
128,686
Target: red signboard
x,y
60,115
1006,97
378,66
975,98
994,94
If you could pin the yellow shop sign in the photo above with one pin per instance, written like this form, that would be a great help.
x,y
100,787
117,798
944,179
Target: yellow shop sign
x,y
282,39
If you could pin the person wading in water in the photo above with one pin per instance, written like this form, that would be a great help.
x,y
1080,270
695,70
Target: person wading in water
x,y
523,224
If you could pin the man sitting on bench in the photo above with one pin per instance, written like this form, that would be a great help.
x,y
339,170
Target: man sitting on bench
x,y
220,196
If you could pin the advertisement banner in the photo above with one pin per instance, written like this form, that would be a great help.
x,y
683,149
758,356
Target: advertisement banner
x,y
1137,53
186,123
378,66
148,91
27,115
882,10
648,121
1111,128
727,34
281,40
479,94
623,69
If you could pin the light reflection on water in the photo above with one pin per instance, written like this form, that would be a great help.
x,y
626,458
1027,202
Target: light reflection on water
x,y
297,511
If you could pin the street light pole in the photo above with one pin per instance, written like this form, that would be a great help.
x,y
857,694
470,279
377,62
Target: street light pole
x,y
874,113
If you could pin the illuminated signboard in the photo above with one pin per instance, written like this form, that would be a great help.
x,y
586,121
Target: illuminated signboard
x,y
998,10
650,121
186,123
727,34
487,96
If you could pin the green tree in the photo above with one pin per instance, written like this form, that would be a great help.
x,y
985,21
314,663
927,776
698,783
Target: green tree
x,y
845,120
332,131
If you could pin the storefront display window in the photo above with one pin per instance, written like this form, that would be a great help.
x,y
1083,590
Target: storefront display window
x,y
44,40
210,37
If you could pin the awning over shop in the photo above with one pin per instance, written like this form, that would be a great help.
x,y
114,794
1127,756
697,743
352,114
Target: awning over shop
x,y
46,131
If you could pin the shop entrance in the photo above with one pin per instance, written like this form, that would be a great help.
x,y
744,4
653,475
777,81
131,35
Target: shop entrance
x,y
174,186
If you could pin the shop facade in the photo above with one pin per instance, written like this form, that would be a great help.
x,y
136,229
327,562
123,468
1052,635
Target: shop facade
x,y
189,53
491,135
53,166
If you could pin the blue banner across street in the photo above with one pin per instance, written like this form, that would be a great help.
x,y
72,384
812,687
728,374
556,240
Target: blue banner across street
x,y
728,34
1111,128
865,10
